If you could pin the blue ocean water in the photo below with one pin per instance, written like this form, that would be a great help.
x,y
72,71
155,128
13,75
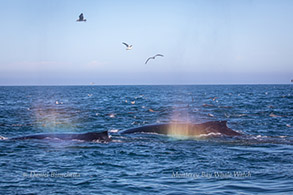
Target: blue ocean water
x,y
259,163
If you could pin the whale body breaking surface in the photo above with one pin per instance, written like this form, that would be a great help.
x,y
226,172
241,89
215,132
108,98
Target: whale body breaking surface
x,y
213,128
91,136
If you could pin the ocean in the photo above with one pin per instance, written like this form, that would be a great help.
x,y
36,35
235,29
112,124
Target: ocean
x,y
260,162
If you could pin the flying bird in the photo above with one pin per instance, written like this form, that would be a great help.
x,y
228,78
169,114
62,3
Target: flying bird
x,y
153,57
81,18
128,47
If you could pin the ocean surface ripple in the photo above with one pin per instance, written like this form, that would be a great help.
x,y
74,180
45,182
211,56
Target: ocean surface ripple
x,y
261,162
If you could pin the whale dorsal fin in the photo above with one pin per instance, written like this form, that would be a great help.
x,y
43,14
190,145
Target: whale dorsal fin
x,y
104,133
223,123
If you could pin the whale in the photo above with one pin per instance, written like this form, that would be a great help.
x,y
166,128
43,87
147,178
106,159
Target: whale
x,y
89,137
211,128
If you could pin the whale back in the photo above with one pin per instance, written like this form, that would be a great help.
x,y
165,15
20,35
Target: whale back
x,y
91,136
186,129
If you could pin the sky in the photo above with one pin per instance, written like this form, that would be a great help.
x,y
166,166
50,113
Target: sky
x,y
203,42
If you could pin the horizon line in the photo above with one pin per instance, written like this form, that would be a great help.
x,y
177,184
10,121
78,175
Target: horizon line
x,y
187,84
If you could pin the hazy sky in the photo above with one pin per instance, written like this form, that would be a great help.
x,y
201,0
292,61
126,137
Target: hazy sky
x,y
204,42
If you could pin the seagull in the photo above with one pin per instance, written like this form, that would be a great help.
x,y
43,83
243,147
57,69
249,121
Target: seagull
x,y
81,18
153,57
128,47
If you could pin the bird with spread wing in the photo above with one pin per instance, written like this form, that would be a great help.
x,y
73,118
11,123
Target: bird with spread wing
x,y
128,47
81,18
153,57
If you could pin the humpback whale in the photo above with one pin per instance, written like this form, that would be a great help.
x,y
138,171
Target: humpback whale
x,y
212,128
186,129
91,136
